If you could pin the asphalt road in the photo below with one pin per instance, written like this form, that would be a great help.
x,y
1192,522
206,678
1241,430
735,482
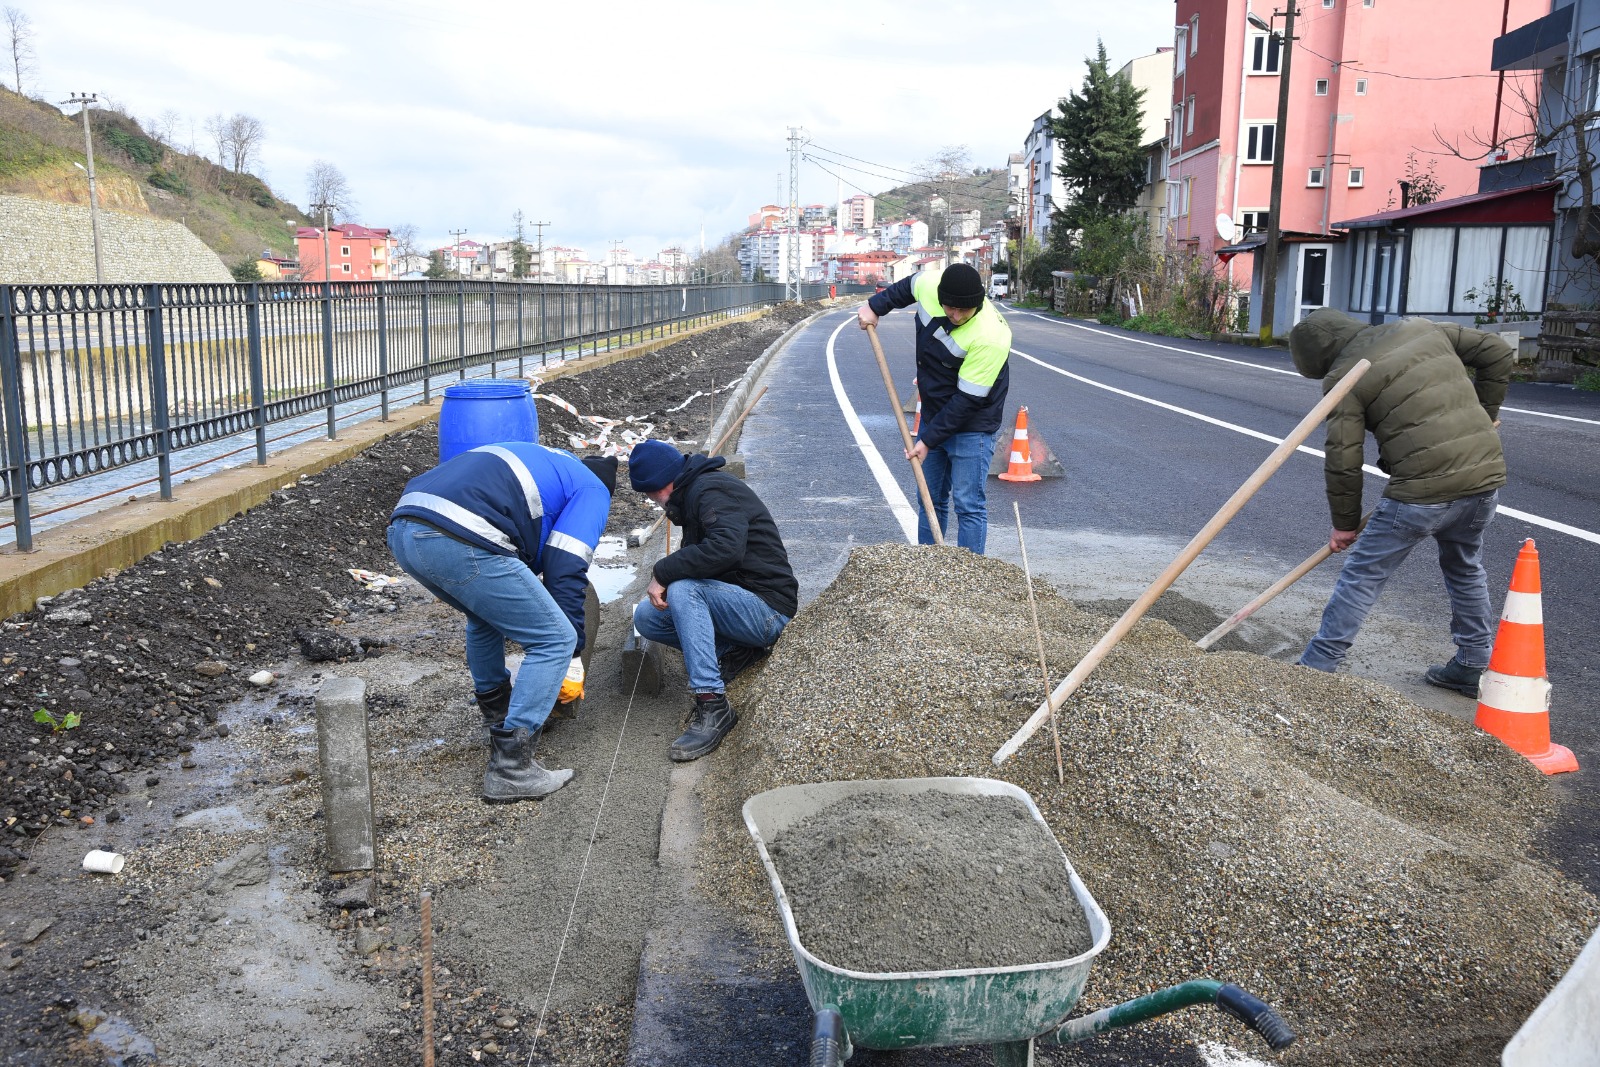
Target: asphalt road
x,y
1154,435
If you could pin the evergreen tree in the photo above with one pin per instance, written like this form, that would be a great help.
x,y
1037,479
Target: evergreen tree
x,y
1099,130
436,266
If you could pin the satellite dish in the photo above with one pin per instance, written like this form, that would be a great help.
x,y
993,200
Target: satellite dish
x,y
1225,226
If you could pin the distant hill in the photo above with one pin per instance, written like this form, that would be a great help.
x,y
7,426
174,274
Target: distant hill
x,y
236,215
985,191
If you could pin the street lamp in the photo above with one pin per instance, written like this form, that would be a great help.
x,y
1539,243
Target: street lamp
x,y
84,100
1269,284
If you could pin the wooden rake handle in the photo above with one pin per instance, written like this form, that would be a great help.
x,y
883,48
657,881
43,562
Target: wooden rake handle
x,y
1137,609
905,436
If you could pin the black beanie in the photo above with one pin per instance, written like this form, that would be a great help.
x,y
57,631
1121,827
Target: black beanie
x,y
604,468
960,287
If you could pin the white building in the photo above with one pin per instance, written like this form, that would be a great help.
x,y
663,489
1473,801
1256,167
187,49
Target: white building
x,y
768,252
902,236
1043,189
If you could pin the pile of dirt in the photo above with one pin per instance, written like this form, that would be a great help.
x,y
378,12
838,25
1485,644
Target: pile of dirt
x,y
1315,838
885,882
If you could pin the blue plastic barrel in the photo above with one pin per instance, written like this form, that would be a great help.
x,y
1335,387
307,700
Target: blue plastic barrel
x,y
484,413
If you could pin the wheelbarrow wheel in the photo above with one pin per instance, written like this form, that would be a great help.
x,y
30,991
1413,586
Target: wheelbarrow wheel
x,y
829,1046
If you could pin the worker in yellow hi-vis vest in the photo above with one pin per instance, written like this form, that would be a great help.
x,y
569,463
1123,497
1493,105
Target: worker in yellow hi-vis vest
x,y
962,377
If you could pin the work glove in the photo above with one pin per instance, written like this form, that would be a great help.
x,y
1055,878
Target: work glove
x,y
572,684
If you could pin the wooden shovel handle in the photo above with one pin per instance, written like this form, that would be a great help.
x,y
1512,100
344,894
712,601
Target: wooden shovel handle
x,y
905,436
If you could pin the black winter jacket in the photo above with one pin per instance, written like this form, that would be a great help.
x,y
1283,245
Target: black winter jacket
x,y
728,535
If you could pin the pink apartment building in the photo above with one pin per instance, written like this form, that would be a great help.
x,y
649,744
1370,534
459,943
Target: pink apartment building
x,y
1371,81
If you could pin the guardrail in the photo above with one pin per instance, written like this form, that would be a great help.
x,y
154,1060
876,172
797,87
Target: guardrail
x,y
97,377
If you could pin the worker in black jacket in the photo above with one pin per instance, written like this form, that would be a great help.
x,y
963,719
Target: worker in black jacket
x,y
724,596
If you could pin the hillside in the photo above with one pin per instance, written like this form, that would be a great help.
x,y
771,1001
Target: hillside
x,y
41,150
985,191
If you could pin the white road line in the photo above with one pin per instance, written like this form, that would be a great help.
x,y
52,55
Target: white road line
x,y
1528,517
1256,366
892,494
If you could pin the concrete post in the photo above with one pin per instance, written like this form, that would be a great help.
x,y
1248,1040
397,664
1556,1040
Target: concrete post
x,y
346,765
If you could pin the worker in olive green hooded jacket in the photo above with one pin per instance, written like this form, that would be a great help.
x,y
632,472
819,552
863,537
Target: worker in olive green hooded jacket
x,y
1432,399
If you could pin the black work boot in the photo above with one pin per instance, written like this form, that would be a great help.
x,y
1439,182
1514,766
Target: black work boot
x,y
1455,675
494,704
739,659
514,773
709,722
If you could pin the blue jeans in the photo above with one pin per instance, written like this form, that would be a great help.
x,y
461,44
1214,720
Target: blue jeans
x,y
501,599
959,470
706,618
1392,532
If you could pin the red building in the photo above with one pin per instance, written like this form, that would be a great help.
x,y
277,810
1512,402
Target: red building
x,y
355,253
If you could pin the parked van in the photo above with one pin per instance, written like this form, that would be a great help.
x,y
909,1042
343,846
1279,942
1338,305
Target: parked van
x,y
999,286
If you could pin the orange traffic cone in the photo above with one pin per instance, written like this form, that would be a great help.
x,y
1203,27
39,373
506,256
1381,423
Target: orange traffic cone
x,y
1020,468
1514,694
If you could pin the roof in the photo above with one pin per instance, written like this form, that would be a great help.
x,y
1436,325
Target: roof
x,y
1255,242
1530,203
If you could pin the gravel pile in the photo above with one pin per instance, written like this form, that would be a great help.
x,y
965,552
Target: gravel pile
x,y
1315,838
880,882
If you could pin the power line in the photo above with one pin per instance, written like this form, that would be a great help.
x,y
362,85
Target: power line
x,y
870,163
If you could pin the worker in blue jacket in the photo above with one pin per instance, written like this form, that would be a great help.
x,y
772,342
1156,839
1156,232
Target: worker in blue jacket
x,y
504,534
962,376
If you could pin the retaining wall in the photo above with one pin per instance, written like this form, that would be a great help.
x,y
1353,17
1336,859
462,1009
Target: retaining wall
x,y
43,241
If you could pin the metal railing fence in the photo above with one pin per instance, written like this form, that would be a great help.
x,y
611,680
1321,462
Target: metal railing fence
x,y
97,377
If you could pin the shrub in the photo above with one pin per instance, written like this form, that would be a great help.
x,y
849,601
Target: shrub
x,y
1588,381
248,271
139,149
1161,321
165,179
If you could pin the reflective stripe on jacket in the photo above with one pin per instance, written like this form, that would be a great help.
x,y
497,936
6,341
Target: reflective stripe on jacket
x,y
962,371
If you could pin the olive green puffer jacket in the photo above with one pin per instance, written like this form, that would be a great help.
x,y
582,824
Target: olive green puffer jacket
x,y
1434,423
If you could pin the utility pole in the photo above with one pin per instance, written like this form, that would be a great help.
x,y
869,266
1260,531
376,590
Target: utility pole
x,y
791,291
84,100
1269,284
455,249
539,229
324,207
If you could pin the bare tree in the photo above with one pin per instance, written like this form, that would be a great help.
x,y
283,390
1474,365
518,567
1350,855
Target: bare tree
x,y
216,128
245,134
326,184
405,240
164,127
19,34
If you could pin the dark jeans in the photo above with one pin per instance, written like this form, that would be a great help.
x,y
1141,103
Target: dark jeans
x,y
1392,532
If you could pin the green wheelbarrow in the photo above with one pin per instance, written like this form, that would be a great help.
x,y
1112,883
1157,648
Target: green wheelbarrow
x,y
1008,1008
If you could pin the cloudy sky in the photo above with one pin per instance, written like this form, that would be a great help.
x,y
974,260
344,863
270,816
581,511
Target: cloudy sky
x,y
612,120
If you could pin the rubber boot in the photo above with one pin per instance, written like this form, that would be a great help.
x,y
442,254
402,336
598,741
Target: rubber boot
x,y
494,704
514,773
709,722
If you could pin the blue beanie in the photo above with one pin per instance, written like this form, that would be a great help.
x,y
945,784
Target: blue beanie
x,y
653,464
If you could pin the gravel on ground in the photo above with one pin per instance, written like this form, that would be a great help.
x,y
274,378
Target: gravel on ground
x,y
1315,838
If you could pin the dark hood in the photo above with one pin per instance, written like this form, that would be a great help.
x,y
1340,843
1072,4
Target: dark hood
x,y
693,467
1319,338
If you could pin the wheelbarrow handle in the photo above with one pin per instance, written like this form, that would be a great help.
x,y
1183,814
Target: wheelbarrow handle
x,y
1249,1009
829,1047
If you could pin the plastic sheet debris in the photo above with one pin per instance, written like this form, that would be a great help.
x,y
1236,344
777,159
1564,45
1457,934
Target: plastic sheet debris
x,y
372,581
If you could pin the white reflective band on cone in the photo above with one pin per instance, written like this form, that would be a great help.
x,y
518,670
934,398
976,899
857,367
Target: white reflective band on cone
x,y
1505,692
1524,608
1016,457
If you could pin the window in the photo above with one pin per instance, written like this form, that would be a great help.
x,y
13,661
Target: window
x,y
1188,194
1361,87
1358,176
1322,86
344,250
1254,221
1327,3
1314,177
345,267
1264,51
1259,140
1366,3
1180,52
1194,34
1177,125
1188,115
